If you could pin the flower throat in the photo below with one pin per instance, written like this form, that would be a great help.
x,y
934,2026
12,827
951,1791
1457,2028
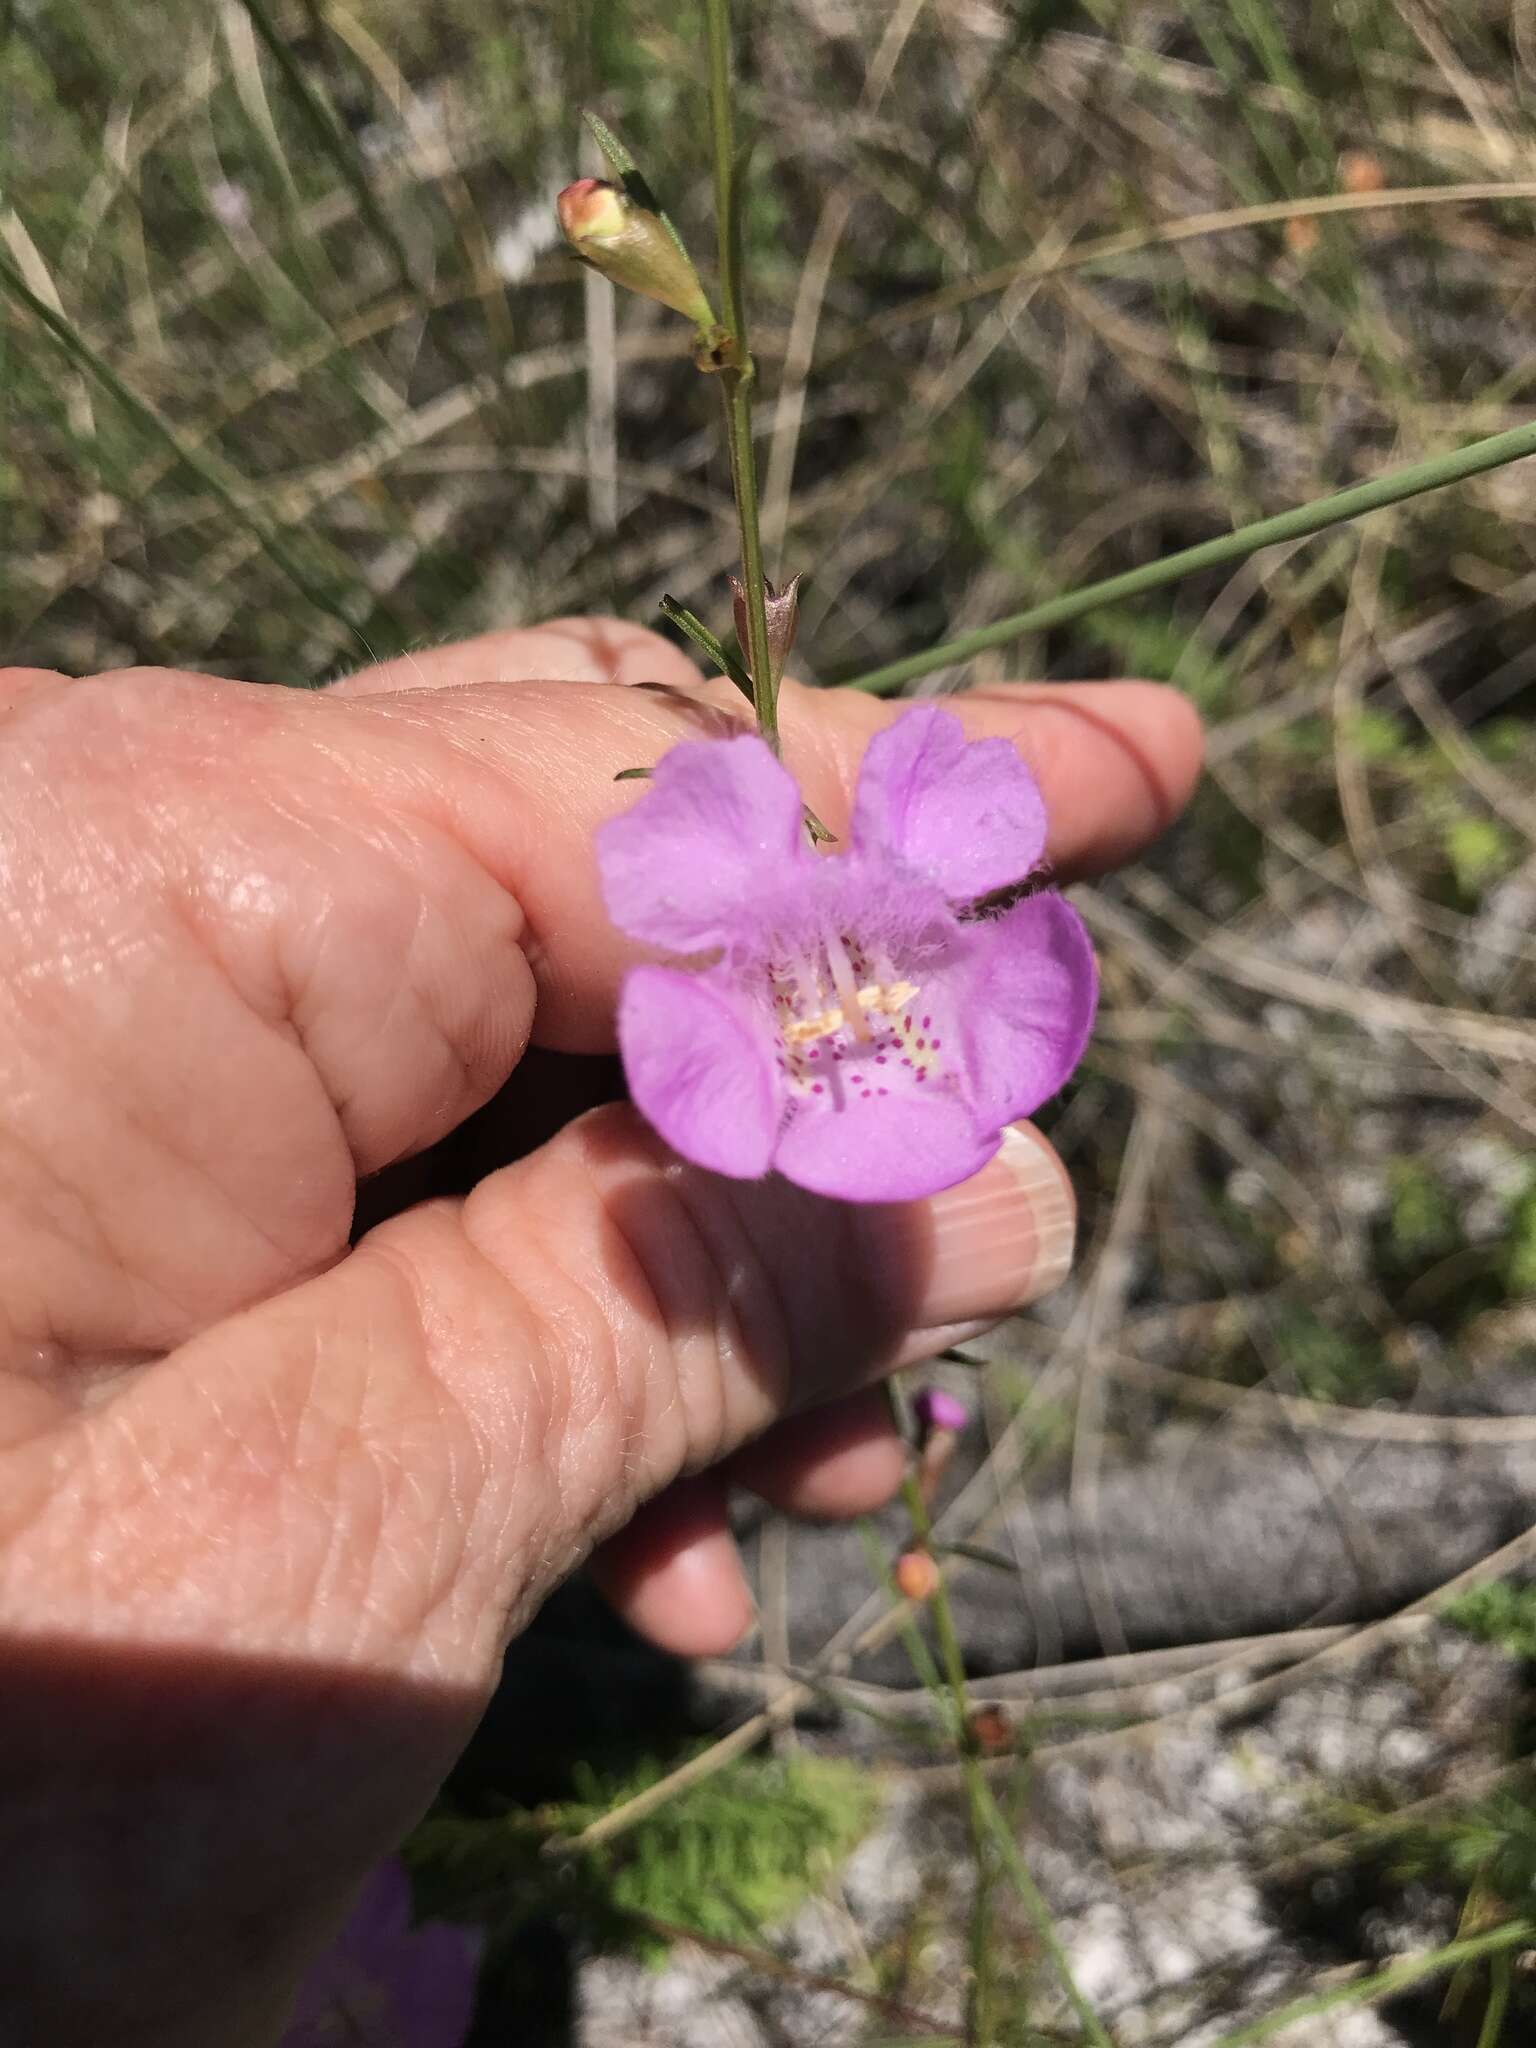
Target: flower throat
x,y
806,1016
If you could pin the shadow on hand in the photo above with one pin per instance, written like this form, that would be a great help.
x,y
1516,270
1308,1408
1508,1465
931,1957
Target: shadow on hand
x,y
181,1829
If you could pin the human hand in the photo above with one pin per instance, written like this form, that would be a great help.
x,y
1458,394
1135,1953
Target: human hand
x,y
270,1506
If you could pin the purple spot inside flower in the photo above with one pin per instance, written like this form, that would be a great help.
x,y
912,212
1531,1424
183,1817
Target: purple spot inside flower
x,y
816,1088
921,1043
926,1022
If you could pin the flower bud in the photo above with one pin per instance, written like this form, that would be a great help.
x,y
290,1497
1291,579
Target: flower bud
x,y
990,1732
631,246
1361,171
940,1419
1301,234
916,1575
782,606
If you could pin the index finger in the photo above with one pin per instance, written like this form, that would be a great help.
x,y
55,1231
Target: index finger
x,y
1115,762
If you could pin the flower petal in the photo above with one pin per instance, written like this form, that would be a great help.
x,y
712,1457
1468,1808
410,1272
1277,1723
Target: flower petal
x,y
699,1070
965,814
684,867
898,1148
1029,1009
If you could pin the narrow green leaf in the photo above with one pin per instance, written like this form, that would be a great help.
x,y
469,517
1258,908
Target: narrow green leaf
x,y
686,622
629,174
610,145
1392,489
974,1553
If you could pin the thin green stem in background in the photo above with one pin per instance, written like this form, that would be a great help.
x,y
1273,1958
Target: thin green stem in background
x,y
337,145
979,2028
736,373
1500,1975
1409,482
1033,1901
208,472
991,1835
722,123
1383,1983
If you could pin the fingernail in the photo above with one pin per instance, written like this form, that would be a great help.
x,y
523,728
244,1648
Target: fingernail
x,y
1003,1238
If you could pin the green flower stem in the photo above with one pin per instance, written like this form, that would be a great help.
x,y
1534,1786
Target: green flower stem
x,y
1391,489
736,371
738,428
722,122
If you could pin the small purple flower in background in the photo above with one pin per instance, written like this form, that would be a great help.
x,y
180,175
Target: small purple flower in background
x,y
940,1419
843,1021
385,1984
937,1410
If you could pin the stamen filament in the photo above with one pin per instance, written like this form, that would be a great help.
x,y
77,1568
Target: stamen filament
x,y
849,993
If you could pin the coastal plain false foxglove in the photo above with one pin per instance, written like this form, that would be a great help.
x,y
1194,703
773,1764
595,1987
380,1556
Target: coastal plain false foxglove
x,y
845,1019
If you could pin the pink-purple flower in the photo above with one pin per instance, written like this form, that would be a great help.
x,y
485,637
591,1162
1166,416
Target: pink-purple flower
x,y
845,1019
935,1409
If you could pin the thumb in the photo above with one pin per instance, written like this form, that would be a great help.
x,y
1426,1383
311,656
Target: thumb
x,y
442,1426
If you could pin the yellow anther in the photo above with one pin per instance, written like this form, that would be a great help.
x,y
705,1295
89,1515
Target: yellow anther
x,y
827,1023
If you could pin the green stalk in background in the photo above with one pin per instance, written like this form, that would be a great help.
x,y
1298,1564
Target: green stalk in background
x,y
208,471
991,1836
736,368
1409,482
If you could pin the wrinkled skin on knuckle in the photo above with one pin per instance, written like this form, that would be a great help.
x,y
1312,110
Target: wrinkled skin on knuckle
x,y
231,977
126,1046
348,910
302,1481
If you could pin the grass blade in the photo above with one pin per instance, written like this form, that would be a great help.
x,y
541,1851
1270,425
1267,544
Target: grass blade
x,y
1411,481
